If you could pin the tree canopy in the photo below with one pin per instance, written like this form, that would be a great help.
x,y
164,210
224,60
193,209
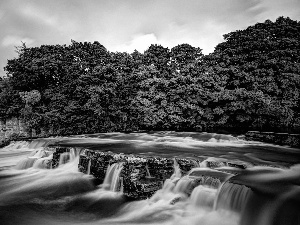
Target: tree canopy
x,y
250,81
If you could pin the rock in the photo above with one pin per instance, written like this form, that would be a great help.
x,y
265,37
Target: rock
x,y
292,140
57,151
141,176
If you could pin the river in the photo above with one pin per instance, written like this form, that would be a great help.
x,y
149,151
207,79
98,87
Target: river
x,y
266,191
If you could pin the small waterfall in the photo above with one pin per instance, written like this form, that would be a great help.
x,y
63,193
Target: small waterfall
x,y
232,197
73,153
40,143
40,153
89,167
64,158
184,185
170,184
31,159
14,145
203,197
35,159
177,170
69,155
210,182
112,179
201,184
25,163
43,163
36,144
201,176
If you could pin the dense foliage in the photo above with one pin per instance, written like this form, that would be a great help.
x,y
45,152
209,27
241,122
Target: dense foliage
x,y
250,81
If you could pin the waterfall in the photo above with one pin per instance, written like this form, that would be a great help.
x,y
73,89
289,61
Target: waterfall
x,y
184,185
177,170
203,197
43,163
73,153
15,145
232,197
31,159
210,181
170,184
39,153
70,156
38,143
201,184
64,158
89,167
112,179
25,163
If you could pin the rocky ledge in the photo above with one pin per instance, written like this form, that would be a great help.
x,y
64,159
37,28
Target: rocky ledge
x,y
139,176
292,140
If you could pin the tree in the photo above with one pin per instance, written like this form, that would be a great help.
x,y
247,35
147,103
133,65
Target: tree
x,y
262,58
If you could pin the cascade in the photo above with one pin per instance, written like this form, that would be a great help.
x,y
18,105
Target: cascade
x,y
35,157
64,158
73,153
25,163
232,197
40,153
210,194
32,144
170,184
43,163
112,179
201,176
36,144
89,167
40,143
210,182
184,185
177,170
14,145
203,196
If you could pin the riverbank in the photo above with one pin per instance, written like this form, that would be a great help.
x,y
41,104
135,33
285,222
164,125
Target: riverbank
x,y
292,140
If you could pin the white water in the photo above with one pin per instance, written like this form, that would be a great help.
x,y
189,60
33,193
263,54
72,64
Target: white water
x,y
66,196
112,180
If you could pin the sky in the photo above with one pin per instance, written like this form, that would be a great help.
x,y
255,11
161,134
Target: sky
x,y
125,25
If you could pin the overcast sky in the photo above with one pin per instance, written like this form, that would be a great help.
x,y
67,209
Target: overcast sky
x,y
125,25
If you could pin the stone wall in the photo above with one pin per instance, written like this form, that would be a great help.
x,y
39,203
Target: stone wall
x,y
11,127
292,140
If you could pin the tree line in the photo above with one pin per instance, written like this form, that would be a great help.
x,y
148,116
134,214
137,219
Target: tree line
x,y
250,81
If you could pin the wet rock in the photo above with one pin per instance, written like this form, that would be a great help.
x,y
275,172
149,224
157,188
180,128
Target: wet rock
x,y
141,176
56,155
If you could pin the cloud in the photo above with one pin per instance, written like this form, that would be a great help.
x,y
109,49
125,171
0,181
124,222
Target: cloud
x,y
37,14
274,9
1,14
139,42
132,24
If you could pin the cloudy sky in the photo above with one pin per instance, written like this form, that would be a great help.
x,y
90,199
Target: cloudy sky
x,y
125,25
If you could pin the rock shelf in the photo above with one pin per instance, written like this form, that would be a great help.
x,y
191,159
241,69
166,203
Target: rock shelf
x,y
141,176
292,140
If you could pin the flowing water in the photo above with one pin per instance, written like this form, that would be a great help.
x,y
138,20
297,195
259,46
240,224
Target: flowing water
x,y
236,182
